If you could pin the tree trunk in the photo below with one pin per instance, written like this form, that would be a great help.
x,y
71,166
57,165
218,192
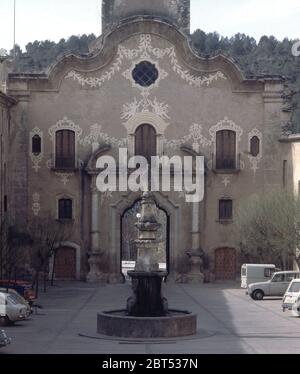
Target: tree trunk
x,y
53,269
45,278
37,284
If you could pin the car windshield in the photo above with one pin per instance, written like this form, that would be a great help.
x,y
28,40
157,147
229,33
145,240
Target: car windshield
x,y
18,298
12,299
295,287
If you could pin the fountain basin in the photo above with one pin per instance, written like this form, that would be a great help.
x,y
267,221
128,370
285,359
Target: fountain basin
x,y
176,323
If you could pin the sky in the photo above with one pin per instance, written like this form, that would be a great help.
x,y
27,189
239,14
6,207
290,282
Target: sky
x,y
56,19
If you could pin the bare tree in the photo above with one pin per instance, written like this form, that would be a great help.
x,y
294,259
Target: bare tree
x,y
13,242
47,236
268,227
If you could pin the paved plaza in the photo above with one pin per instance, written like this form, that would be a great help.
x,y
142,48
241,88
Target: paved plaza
x,y
228,322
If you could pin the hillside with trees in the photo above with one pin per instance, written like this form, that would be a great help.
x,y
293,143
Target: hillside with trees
x,y
268,56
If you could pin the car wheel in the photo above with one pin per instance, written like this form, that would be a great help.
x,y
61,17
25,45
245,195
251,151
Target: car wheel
x,y
4,321
258,295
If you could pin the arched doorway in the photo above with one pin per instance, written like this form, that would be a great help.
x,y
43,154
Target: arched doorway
x,y
65,263
129,234
225,264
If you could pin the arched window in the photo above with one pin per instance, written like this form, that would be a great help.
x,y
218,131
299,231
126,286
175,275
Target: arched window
x,y
254,146
65,149
226,150
145,141
65,209
36,145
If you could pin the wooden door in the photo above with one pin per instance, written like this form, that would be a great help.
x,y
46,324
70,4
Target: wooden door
x,y
225,264
65,264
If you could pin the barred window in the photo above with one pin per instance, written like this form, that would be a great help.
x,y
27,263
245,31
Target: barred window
x,y
225,209
145,74
255,146
65,149
226,150
65,209
36,145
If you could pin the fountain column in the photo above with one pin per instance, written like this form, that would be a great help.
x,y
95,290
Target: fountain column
x,y
147,300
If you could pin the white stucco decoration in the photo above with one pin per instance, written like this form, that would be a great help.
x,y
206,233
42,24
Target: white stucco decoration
x,y
146,51
226,180
36,206
65,177
65,124
255,161
96,136
195,137
49,163
226,124
146,118
145,105
36,159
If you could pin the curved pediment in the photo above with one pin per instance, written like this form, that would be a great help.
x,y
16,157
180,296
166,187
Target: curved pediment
x,y
106,55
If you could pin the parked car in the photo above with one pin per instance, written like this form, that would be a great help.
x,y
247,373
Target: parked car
x,y
253,273
10,310
22,287
18,298
4,339
292,295
277,286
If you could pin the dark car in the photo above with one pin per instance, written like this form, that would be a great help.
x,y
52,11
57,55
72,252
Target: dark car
x,y
22,287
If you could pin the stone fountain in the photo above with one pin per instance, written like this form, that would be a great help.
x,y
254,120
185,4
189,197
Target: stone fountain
x,y
147,314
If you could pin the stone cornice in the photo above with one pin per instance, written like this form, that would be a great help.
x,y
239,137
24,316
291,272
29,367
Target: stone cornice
x,y
294,138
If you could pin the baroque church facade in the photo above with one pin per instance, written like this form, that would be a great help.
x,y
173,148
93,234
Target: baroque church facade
x,y
142,88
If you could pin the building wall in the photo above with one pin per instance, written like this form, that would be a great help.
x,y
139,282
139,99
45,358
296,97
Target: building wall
x,y
190,102
5,105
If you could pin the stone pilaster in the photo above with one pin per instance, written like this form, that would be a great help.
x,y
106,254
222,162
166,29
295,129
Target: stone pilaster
x,y
195,254
18,164
95,274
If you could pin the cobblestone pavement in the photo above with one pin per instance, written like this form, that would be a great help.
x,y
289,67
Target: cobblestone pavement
x,y
228,322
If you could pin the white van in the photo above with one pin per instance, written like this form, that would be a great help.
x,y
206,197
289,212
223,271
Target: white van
x,y
292,296
253,273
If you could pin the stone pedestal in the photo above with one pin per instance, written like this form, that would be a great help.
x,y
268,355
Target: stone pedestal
x,y
95,275
195,275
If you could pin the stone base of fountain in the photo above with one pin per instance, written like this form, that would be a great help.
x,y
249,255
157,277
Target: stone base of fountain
x,y
175,324
147,314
